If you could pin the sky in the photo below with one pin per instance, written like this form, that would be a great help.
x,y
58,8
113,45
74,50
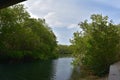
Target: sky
x,y
63,16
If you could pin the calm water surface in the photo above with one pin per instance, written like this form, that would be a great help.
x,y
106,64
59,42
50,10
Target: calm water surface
x,y
59,69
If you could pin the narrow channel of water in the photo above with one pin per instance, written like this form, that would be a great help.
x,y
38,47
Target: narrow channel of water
x,y
59,69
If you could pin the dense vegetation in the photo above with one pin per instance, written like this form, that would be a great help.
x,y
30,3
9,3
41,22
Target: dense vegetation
x,y
23,37
97,45
64,49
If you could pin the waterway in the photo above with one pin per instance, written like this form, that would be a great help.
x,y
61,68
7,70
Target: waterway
x,y
58,69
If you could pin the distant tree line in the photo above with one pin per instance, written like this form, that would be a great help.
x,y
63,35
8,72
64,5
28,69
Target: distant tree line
x,y
23,37
64,49
97,45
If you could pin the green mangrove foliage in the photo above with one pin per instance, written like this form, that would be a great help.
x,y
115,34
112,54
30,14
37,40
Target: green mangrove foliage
x,y
64,49
96,46
23,37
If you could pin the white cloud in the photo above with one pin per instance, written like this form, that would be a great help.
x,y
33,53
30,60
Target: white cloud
x,y
52,19
71,26
57,13
39,7
50,16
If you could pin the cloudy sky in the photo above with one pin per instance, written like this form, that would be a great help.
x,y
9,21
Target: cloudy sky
x,y
64,15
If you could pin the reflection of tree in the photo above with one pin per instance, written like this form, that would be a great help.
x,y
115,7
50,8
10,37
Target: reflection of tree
x,y
75,74
53,70
28,71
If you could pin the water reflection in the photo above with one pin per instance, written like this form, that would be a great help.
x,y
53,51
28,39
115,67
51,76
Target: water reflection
x,y
28,71
63,69
59,69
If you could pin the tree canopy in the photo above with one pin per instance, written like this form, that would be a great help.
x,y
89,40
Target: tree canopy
x,y
24,37
96,46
